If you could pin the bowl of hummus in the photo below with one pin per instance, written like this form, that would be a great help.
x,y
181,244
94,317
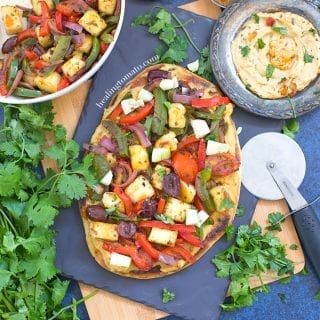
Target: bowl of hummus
x,y
276,54
266,56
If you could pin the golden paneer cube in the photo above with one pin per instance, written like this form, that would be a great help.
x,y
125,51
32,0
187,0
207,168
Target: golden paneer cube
x,y
163,236
36,5
71,67
102,230
107,6
48,83
176,209
12,19
219,194
110,200
46,41
177,118
86,45
168,140
92,22
158,175
139,157
139,189
187,192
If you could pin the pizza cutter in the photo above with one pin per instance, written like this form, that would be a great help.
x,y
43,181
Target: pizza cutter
x,y
273,168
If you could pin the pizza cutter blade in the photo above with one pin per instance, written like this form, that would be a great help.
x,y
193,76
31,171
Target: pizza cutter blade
x,y
268,160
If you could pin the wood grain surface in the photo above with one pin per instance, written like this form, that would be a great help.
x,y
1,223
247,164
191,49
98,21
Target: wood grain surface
x,y
107,306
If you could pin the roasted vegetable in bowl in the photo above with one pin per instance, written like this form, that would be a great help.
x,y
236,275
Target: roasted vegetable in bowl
x,y
52,44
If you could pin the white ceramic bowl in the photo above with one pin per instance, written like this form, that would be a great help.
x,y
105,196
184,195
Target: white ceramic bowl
x,y
74,85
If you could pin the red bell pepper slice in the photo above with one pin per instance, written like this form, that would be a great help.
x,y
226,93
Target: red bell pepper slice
x,y
59,19
40,64
45,11
198,204
65,9
185,166
64,82
162,225
3,90
209,102
186,141
191,238
126,200
115,113
31,55
44,29
161,205
179,252
74,18
25,34
34,19
201,155
130,251
270,22
103,47
146,246
137,116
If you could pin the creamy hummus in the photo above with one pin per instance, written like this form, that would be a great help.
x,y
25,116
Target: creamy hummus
x,y
276,54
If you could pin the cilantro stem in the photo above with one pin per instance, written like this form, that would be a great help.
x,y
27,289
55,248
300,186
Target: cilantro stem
x,y
90,295
7,302
185,23
186,32
9,222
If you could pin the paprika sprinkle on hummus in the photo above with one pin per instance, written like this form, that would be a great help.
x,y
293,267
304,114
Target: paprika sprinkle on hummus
x,y
276,54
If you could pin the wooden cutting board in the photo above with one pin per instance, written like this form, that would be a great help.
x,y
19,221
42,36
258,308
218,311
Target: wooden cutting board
x,y
107,306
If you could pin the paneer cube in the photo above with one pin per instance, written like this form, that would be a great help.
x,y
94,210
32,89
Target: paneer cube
x,y
86,45
110,200
163,236
46,41
120,260
92,23
107,6
48,83
168,140
139,189
73,66
187,192
177,118
36,5
176,209
12,19
200,127
219,194
158,175
102,230
139,157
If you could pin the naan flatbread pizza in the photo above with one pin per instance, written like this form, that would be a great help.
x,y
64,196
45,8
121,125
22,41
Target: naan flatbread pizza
x,y
167,159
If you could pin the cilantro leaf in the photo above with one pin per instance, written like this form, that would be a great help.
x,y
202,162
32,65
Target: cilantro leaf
x,y
240,211
269,71
226,204
281,30
291,128
245,51
255,17
144,20
72,186
261,43
205,69
177,52
317,296
307,58
274,218
4,278
293,247
229,231
10,176
167,295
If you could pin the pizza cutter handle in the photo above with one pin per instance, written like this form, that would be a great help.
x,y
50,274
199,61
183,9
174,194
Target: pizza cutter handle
x,y
308,227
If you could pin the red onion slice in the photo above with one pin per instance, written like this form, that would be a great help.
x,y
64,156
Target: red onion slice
x,y
108,144
130,179
73,26
157,74
182,98
78,39
15,83
53,27
169,260
95,149
138,129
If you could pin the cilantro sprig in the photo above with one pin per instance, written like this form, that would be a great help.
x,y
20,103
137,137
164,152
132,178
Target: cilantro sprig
x,y
29,203
174,39
252,254
167,295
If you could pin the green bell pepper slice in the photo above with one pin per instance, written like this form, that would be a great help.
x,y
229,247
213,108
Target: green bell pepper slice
x,y
13,70
94,53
